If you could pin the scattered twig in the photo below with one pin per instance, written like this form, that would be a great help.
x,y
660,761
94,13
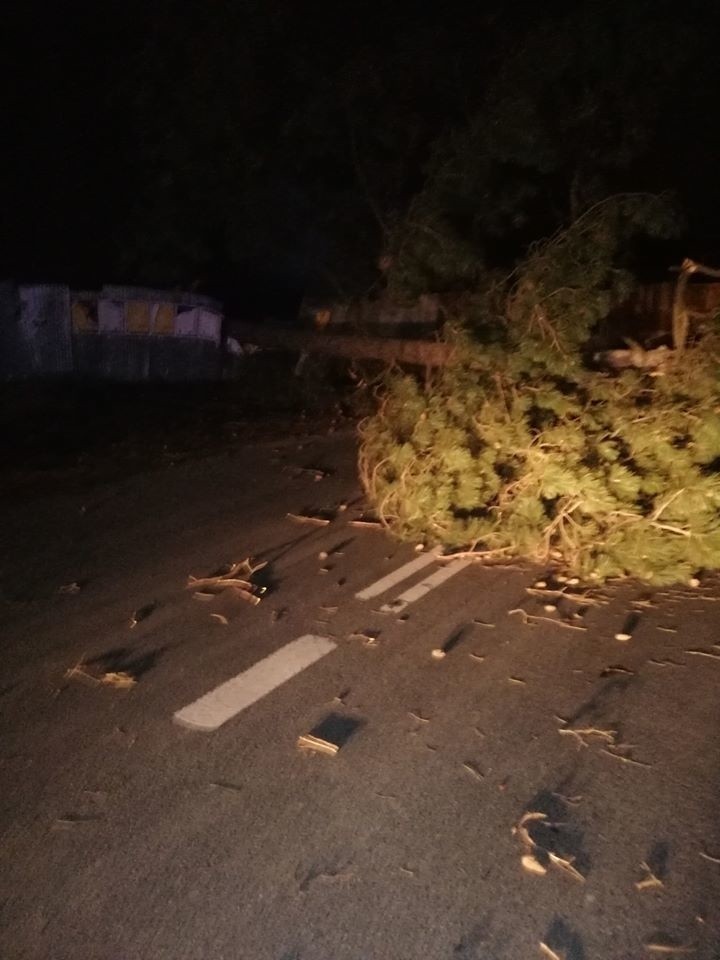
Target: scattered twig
x,y
710,857
548,951
473,770
703,653
305,518
566,865
624,758
584,734
219,618
531,619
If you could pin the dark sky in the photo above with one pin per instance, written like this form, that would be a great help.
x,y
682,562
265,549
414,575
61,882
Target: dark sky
x,y
269,148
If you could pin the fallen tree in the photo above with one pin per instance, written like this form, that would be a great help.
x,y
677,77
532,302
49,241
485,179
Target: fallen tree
x,y
521,449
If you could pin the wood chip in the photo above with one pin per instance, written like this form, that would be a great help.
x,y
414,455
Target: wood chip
x,y
531,864
310,742
119,679
517,680
623,637
549,952
650,881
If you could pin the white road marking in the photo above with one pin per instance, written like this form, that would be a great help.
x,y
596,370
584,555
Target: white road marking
x,y
224,702
425,586
397,576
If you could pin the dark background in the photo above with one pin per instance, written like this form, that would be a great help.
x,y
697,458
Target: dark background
x,y
266,150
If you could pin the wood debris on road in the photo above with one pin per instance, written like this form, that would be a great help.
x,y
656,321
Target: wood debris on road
x,y
142,614
473,770
206,588
709,857
531,619
650,881
665,946
330,735
307,518
69,588
120,679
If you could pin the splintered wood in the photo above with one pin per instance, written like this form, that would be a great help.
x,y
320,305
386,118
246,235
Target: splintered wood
x,y
206,588
120,679
534,856
330,735
309,741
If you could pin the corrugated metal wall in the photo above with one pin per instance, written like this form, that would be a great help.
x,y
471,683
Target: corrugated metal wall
x,y
118,333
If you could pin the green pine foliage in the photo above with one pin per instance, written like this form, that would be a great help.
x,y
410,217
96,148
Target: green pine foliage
x,y
520,449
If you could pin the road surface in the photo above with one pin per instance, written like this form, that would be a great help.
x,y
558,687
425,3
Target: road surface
x,y
136,826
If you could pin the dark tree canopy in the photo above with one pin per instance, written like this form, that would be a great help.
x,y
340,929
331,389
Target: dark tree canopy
x,y
274,147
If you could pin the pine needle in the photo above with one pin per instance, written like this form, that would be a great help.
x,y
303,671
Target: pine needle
x,y
530,619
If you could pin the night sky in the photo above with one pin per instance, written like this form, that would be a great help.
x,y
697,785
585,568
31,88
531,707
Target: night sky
x,y
262,150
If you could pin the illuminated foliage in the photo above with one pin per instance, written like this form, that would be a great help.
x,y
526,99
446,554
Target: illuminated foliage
x,y
520,449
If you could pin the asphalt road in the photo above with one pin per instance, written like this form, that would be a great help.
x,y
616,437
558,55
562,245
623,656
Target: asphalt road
x,y
126,836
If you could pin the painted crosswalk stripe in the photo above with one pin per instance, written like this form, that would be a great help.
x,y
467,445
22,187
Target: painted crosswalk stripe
x,y
397,576
230,698
425,586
